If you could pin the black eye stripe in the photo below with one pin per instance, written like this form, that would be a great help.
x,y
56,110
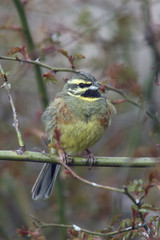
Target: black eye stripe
x,y
84,85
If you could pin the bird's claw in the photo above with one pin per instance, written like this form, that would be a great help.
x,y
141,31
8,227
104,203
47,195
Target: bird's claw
x,y
90,159
67,159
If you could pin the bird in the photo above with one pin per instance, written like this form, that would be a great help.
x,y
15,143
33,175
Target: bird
x,y
79,114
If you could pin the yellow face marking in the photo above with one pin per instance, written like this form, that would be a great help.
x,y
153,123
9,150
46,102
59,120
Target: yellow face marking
x,y
79,90
77,81
84,98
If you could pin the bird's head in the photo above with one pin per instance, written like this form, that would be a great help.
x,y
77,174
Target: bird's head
x,y
83,85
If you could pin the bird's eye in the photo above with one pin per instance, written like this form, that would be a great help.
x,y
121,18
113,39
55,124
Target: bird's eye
x,y
82,85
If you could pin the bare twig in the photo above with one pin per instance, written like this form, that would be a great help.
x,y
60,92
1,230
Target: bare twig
x,y
38,63
40,225
7,86
93,184
127,99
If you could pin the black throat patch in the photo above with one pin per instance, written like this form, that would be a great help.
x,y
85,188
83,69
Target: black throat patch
x,y
91,94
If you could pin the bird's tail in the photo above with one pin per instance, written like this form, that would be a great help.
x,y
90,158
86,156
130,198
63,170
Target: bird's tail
x,y
45,181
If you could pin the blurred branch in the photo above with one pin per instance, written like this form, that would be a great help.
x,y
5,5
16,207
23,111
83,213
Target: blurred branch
x,y
11,27
151,39
22,16
30,43
38,63
7,86
30,156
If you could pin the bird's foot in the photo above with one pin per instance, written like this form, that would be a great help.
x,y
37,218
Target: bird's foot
x,y
91,159
68,159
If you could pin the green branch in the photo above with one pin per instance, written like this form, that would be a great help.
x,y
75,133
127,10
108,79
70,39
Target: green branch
x,y
30,156
41,86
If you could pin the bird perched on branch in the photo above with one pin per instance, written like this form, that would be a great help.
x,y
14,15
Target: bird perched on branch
x,y
77,119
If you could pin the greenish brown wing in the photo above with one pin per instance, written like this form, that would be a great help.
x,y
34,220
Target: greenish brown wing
x,y
57,113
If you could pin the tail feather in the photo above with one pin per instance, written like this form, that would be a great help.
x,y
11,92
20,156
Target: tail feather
x,y
45,181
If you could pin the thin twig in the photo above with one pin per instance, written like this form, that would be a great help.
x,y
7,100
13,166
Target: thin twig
x,y
38,63
93,184
126,192
40,224
108,87
127,99
7,86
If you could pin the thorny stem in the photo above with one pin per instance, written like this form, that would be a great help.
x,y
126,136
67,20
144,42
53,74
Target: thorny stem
x,y
38,63
7,86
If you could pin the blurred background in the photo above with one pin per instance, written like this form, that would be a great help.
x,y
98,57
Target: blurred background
x,y
120,41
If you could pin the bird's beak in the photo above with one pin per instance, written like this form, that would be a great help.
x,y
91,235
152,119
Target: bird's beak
x,y
94,86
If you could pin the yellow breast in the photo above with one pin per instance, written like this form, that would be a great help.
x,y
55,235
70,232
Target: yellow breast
x,y
80,135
